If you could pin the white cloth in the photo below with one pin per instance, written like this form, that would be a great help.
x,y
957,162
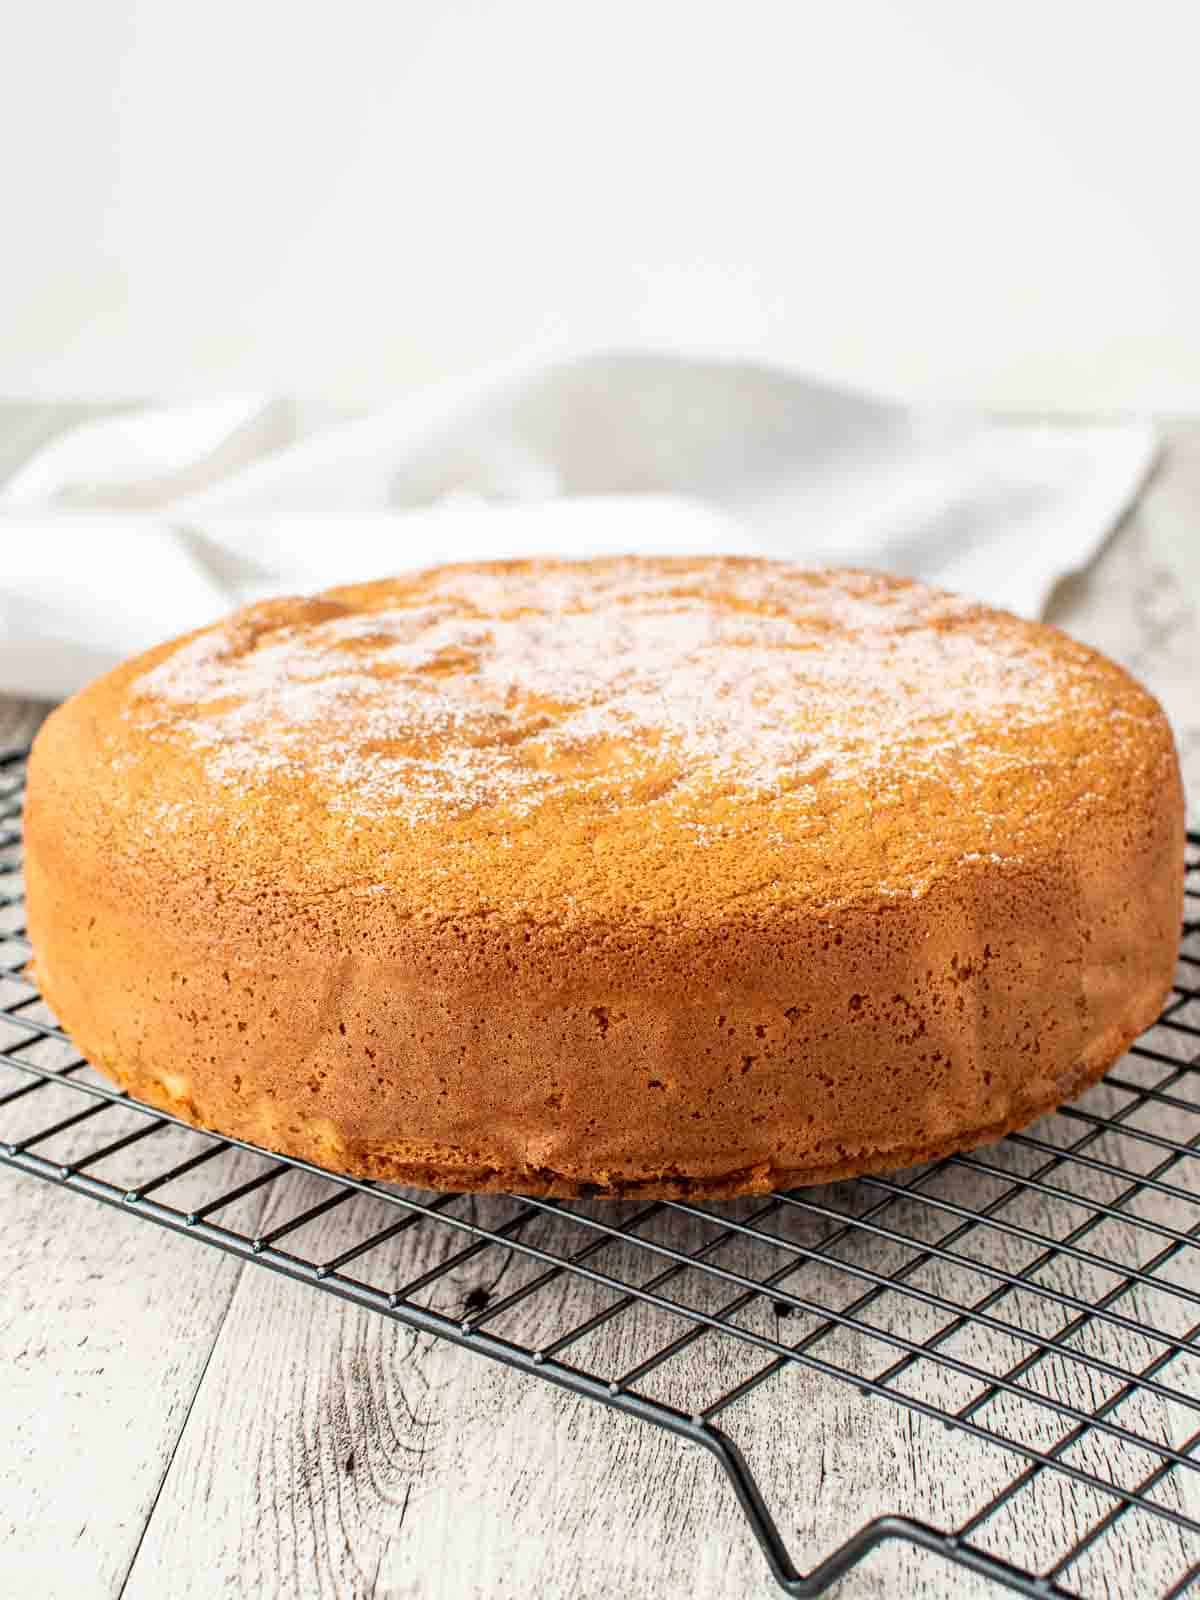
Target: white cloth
x,y
141,525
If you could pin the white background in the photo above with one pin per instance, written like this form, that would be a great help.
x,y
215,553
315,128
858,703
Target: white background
x,y
943,199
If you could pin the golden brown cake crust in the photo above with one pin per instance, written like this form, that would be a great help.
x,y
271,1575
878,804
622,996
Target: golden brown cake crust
x,y
693,876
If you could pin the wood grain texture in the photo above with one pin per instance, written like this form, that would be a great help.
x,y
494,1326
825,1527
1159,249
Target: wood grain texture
x,y
19,721
329,1452
105,1330
185,1427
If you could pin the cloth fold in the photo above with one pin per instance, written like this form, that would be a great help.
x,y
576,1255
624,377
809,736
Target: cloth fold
x,y
143,524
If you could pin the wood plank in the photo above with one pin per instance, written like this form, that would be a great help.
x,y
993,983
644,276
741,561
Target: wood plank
x,y
404,1466
19,721
105,1329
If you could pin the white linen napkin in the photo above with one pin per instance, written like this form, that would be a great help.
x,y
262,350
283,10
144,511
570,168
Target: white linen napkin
x,y
138,526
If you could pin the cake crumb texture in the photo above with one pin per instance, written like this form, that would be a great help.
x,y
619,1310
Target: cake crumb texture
x,y
633,876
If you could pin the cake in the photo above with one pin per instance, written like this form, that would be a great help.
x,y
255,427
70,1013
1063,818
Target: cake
x,y
674,877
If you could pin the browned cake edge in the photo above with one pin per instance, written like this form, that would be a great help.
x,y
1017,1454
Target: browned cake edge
x,y
381,1167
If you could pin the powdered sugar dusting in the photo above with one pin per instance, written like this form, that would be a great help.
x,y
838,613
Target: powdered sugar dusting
x,y
651,682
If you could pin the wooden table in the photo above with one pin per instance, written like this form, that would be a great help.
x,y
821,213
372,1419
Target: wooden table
x,y
176,1423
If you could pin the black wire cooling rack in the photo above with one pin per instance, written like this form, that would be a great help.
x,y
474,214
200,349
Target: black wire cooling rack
x,y
1039,1298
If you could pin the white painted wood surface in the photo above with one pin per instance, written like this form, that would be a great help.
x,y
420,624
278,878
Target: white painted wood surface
x,y
176,1424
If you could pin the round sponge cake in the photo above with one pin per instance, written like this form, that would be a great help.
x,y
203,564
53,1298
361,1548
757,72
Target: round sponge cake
x,y
663,877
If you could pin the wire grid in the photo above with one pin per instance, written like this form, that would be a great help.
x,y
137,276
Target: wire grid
x,y
1039,1298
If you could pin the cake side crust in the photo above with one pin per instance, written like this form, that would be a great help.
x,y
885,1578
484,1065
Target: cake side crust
x,y
382,1167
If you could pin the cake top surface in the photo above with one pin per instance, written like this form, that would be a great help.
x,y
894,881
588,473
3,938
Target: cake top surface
x,y
648,737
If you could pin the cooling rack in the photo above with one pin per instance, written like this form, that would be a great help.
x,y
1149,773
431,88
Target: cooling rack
x,y
1039,1299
